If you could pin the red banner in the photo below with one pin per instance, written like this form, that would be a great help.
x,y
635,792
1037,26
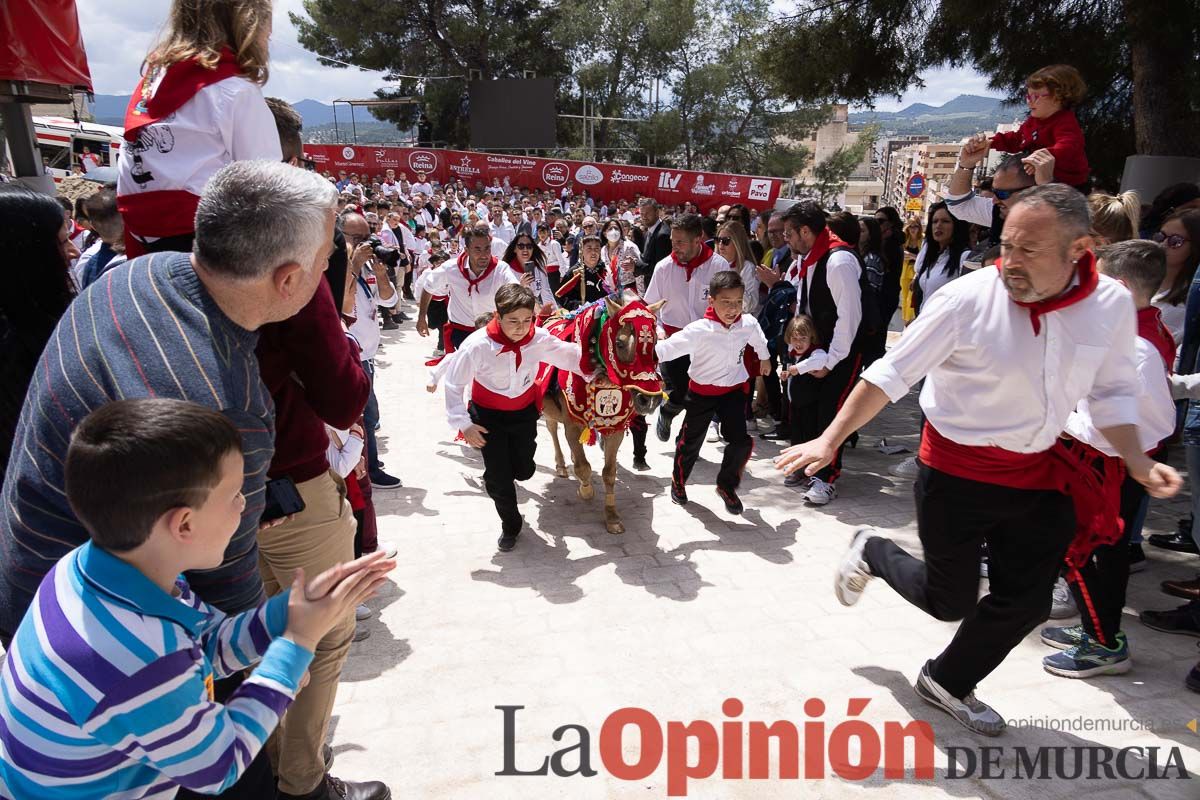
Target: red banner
x,y
40,41
601,180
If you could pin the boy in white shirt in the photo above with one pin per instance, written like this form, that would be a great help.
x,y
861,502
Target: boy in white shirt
x,y
717,385
498,363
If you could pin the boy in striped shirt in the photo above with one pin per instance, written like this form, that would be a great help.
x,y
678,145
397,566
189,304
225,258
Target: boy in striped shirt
x,y
107,690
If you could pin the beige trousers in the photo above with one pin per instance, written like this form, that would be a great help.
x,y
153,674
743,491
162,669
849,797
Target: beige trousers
x,y
319,537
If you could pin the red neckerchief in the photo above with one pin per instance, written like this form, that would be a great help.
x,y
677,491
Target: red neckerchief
x,y
826,241
691,266
516,267
508,345
711,313
1088,280
1151,328
466,272
180,83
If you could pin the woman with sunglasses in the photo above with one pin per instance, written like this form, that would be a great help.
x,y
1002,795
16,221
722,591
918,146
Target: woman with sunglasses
x,y
619,255
733,244
528,261
1179,235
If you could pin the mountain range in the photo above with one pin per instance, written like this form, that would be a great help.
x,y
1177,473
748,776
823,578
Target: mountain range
x,y
965,114
109,109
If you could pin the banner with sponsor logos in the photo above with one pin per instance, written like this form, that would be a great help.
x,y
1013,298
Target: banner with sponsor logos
x,y
602,181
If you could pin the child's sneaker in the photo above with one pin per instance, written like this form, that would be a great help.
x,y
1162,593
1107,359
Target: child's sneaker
x,y
820,493
732,504
1063,638
798,479
1089,658
853,574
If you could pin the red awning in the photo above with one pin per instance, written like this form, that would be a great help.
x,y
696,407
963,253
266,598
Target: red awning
x,y
40,42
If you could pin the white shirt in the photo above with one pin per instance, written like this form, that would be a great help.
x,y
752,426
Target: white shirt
x,y
1155,408
365,327
464,306
423,188
750,279
686,300
841,275
540,286
224,122
716,351
815,361
479,359
992,382
343,458
971,207
625,249
935,276
388,189
504,230
553,252
499,246
1173,317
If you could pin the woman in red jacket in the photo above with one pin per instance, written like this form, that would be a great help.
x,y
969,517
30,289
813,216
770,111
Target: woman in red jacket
x,y
1052,93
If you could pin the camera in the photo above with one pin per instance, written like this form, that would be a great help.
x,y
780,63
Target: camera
x,y
386,255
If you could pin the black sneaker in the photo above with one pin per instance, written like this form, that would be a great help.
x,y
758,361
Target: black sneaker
x,y
678,494
662,428
1179,620
381,480
332,788
639,463
508,539
732,504
1137,558
390,324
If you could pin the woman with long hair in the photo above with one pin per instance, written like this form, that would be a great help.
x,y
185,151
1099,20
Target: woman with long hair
x,y
940,258
733,245
197,107
619,254
1180,236
36,294
528,261
1114,219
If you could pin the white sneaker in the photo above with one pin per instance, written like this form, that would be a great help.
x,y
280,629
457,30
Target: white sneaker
x,y
820,493
714,432
362,612
907,468
1063,605
764,424
853,574
970,712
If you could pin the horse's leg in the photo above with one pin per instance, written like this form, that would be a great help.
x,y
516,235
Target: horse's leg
x,y
583,470
560,465
612,520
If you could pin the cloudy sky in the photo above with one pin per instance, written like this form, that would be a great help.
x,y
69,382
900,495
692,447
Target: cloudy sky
x,y
117,34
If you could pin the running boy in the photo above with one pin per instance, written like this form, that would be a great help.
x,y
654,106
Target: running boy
x,y
498,364
717,385
108,688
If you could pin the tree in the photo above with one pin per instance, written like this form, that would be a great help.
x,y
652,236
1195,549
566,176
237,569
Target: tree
x,y
830,176
500,38
1140,57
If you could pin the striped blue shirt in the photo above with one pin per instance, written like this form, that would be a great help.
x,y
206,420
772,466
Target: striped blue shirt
x,y
148,328
106,692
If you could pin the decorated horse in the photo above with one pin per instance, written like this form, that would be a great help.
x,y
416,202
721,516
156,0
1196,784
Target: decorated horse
x,y
618,336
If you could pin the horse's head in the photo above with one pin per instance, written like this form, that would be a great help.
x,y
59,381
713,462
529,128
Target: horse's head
x,y
627,343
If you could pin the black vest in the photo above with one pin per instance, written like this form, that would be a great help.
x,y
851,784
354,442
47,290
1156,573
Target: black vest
x,y
815,296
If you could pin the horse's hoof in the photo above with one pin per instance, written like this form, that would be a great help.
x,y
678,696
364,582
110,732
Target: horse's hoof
x,y
561,472
586,492
615,528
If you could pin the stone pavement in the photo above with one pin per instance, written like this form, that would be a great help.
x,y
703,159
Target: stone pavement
x,y
691,606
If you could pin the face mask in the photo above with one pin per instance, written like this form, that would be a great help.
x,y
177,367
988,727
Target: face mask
x,y
613,235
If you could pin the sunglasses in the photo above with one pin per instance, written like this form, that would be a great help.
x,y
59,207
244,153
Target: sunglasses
x,y
1003,194
1174,241
1033,97
524,246
724,240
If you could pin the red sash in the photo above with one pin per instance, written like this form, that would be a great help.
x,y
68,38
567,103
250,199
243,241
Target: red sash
x,y
180,83
691,266
826,241
1151,328
465,270
507,345
1088,280
447,342
1090,479
486,398
712,390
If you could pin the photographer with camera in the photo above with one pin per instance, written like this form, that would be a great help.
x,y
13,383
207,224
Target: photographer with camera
x,y
368,289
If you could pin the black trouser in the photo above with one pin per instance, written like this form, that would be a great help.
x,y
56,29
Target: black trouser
x,y
675,376
437,316
730,409
638,428
774,391
1027,533
458,336
508,449
258,781
1106,574
820,400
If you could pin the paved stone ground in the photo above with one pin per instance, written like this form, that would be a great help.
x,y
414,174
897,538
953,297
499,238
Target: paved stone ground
x,y
689,607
